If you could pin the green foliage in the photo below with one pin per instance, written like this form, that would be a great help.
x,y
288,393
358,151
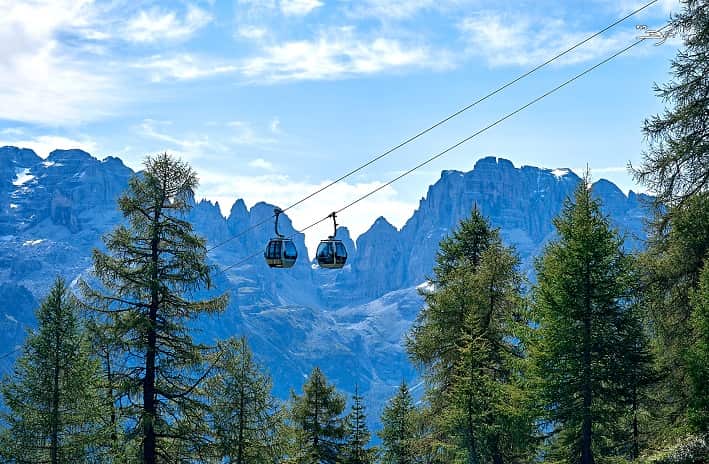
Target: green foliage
x,y
356,450
317,422
693,449
245,417
153,265
588,349
698,356
53,407
468,338
676,167
399,429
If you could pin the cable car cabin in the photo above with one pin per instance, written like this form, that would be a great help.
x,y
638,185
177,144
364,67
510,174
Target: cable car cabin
x,y
281,253
331,254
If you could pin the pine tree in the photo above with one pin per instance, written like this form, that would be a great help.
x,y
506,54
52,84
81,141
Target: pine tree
x,y
53,410
245,415
398,431
317,422
468,341
153,265
356,449
676,167
586,335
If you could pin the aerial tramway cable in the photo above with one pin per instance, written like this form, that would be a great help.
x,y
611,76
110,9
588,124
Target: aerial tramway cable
x,y
439,123
461,142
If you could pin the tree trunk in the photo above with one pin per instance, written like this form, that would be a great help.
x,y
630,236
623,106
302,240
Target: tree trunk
x,y
587,391
54,425
149,400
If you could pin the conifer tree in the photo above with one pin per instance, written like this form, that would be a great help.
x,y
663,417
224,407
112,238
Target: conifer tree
x,y
469,342
676,167
584,352
154,264
317,422
398,433
698,357
356,450
53,407
245,416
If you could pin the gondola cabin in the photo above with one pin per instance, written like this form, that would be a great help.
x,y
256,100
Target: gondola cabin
x,y
281,253
331,254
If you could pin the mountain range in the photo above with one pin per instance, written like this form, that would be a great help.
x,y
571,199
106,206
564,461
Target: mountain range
x,y
351,323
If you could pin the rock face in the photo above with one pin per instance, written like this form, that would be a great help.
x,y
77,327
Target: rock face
x,y
350,322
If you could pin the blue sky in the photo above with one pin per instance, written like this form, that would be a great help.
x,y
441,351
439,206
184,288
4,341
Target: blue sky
x,y
270,99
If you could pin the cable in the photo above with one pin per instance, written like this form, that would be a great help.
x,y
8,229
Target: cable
x,y
439,123
462,141
10,353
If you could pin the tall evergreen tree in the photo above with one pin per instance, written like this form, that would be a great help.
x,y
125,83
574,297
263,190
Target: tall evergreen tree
x,y
153,265
245,415
398,431
586,335
316,418
676,167
698,357
469,342
53,410
356,449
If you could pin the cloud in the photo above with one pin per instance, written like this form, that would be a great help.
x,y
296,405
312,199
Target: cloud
x,y
283,191
41,80
157,25
260,163
504,40
336,54
275,126
393,9
299,7
252,32
182,67
44,144
242,133
185,147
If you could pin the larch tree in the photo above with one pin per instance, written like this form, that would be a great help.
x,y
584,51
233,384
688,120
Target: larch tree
x,y
469,342
245,417
676,169
584,346
54,412
676,166
153,267
317,422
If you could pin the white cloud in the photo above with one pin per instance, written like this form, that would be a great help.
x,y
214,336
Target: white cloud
x,y
335,54
243,133
44,144
275,126
283,191
156,25
522,41
260,163
299,7
188,147
394,9
41,80
252,32
182,67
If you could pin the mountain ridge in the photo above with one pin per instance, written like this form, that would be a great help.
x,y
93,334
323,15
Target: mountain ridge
x,y
351,322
